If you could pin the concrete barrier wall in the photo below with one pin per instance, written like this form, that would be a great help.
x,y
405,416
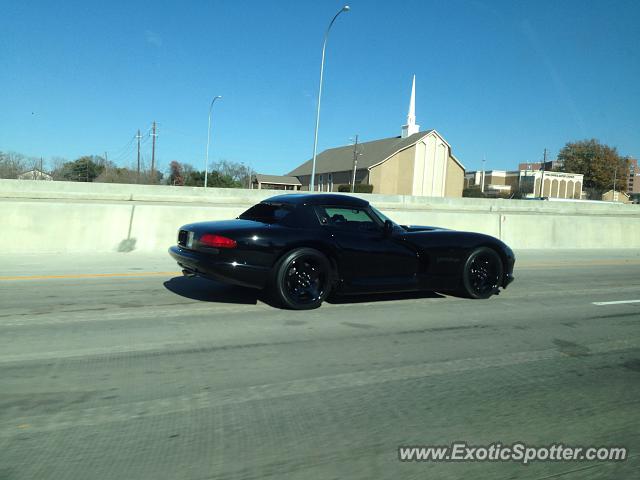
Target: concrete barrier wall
x,y
88,217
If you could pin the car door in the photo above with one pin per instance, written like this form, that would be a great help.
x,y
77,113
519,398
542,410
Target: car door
x,y
370,260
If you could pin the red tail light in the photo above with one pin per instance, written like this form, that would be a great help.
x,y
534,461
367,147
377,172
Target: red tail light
x,y
217,241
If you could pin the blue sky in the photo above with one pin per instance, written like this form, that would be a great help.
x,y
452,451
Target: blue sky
x,y
497,79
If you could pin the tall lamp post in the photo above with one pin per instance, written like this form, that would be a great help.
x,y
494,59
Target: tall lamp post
x,y
346,8
206,162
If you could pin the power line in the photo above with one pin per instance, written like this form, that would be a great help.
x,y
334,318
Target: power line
x,y
119,151
124,154
170,131
128,150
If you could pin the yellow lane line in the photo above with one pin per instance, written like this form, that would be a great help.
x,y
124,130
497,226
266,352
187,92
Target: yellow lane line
x,y
89,275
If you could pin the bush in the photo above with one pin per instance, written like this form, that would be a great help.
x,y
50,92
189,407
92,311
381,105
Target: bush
x,y
359,188
473,192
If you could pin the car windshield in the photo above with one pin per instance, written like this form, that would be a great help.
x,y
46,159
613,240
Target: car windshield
x,y
267,213
382,216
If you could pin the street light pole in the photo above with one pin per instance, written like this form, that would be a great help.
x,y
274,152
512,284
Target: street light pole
x,y
355,165
206,163
346,8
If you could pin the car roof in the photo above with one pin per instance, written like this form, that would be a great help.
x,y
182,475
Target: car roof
x,y
318,199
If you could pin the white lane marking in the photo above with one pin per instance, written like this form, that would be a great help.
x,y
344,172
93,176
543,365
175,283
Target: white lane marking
x,y
617,302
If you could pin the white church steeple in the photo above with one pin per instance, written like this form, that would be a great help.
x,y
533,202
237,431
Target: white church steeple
x,y
411,127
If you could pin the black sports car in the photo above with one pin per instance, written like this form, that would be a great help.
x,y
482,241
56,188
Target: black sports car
x,y
302,247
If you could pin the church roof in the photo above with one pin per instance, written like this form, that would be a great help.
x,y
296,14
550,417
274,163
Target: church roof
x,y
276,179
369,154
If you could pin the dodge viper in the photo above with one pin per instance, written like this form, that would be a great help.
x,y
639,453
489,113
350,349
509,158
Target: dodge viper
x,y
304,247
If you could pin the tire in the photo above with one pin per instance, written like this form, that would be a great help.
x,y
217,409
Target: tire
x,y
302,279
482,273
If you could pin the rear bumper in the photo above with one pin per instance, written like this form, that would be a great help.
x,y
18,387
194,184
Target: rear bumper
x,y
208,266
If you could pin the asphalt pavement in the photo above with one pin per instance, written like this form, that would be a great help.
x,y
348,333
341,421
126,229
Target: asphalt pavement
x,y
115,367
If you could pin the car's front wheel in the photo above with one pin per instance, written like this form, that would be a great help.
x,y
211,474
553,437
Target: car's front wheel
x,y
482,273
302,279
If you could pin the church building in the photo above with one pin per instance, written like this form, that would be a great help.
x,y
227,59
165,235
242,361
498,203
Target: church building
x,y
413,163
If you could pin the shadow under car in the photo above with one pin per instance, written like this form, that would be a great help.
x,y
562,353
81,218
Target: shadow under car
x,y
206,290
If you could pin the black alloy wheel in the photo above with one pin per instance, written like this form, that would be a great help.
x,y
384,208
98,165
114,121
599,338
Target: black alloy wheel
x,y
482,274
302,279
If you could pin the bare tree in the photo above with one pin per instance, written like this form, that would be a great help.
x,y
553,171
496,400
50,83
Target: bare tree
x,y
12,164
55,165
238,172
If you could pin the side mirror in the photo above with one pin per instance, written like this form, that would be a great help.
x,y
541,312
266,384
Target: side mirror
x,y
388,227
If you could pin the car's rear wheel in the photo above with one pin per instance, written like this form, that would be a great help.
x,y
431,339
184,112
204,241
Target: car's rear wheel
x,y
482,273
302,279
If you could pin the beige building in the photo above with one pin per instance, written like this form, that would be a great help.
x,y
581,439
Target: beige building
x,y
420,164
531,183
615,196
414,163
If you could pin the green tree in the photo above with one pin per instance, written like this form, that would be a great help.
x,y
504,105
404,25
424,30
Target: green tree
x,y
600,164
472,192
217,179
183,174
85,169
193,178
224,174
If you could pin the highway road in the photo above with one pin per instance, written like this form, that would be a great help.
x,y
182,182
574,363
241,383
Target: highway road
x,y
115,367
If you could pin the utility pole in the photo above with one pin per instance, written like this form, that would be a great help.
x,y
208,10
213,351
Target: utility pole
x,y
544,164
615,177
153,152
482,182
138,170
355,165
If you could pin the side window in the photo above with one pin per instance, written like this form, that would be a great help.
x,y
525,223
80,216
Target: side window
x,y
346,218
267,213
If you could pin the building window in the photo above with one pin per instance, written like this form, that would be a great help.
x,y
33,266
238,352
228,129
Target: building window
x,y
320,186
330,183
